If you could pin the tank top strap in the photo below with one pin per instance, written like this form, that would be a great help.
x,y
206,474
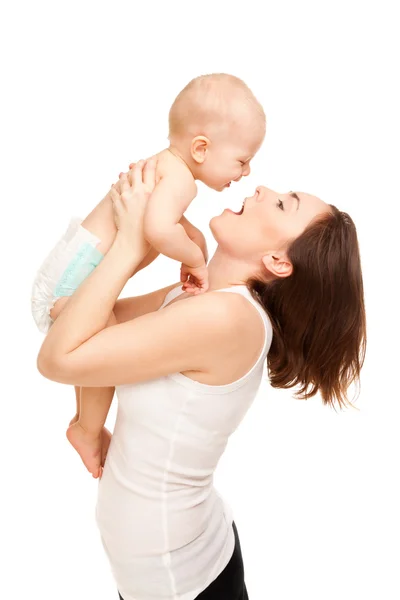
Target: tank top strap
x,y
172,294
251,375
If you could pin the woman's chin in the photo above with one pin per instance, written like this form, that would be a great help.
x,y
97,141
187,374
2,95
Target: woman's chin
x,y
212,222
216,222
216,218
213,225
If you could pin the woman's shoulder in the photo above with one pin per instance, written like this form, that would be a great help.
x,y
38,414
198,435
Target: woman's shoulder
x,y
223,326
230,313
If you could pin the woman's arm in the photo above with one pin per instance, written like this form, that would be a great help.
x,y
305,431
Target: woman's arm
x,y
148,347
78,350
127,309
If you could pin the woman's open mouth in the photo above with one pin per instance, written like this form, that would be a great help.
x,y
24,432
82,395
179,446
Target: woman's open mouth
x,y
239,212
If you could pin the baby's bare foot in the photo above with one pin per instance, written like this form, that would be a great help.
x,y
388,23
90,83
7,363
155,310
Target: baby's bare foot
x,y
74,419
105,444
88,446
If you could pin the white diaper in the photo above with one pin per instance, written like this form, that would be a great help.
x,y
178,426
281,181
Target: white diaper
x,y
72,259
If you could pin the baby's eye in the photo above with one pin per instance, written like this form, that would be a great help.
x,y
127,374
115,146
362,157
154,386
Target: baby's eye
x,y
280,204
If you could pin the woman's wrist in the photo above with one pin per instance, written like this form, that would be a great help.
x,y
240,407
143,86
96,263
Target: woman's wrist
x,y
130,254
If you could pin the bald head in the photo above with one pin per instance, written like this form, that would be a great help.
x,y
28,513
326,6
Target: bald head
x,y
215,102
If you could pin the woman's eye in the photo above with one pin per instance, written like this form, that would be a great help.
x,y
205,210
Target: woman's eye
x,y
280,204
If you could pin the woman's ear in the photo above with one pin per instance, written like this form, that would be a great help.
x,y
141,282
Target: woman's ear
x,y
277,264
198,148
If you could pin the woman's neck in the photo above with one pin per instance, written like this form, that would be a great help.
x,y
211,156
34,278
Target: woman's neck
x,y
225,271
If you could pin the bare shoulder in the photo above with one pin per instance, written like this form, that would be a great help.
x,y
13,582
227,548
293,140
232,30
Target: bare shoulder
x,y
221,331
229,314
175,171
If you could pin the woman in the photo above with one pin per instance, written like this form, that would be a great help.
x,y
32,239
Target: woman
x,y
290,269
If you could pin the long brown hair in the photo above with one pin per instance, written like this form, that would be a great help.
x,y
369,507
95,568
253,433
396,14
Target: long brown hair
x,y
318,313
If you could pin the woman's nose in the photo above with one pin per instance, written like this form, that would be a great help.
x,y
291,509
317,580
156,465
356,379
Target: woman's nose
x,y
264,191
260,190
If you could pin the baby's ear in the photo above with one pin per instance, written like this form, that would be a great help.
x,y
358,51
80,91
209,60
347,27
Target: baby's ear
x,y
199,147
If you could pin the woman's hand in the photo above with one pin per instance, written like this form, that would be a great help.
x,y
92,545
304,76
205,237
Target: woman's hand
x,y
130,203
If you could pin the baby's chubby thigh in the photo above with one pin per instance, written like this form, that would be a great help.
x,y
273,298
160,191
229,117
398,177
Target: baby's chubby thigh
x,y
58,307
69,263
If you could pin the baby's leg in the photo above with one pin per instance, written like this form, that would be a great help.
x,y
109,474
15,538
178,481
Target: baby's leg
x,y
88,434
78,404
86,431
78,432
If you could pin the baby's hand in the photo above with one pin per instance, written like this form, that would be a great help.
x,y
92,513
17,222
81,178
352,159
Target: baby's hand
x,y
194,279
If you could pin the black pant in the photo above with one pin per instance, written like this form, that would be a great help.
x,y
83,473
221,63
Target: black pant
x,y
229,584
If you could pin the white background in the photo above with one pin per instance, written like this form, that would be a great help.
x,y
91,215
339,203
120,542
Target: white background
x,y
86,89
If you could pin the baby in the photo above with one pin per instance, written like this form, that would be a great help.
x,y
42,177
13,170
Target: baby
x,y
216,126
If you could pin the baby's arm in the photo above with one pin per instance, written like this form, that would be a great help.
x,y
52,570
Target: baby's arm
x,y
171,197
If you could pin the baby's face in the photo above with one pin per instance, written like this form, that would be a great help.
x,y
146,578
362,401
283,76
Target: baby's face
x,y
228,161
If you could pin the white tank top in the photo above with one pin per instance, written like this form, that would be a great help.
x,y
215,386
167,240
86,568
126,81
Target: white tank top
x,y
167,532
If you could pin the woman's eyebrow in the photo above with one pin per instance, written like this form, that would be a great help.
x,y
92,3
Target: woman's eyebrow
x,y
295,196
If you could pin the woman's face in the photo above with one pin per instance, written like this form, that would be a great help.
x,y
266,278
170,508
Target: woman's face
x,y
268,222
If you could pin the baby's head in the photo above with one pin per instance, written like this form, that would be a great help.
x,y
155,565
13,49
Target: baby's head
x,y
217,125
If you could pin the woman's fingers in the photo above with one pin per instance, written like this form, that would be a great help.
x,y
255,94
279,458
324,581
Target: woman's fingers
x,y
124,182
137,173
116,203
131,166
149,174
143,171
114,194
